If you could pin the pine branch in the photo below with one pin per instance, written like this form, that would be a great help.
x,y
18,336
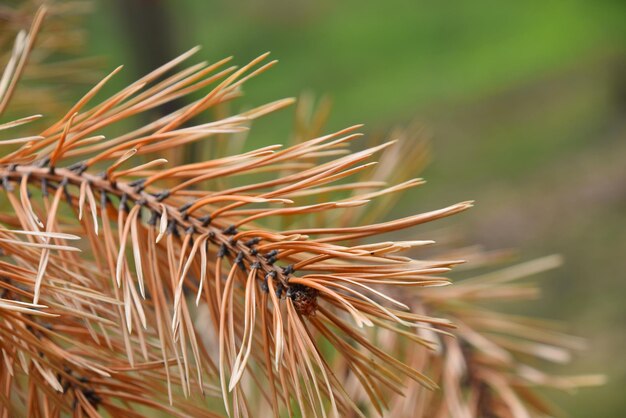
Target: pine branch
x,y
252,281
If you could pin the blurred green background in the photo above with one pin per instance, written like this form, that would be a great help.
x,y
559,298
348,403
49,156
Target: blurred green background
x,y
525,102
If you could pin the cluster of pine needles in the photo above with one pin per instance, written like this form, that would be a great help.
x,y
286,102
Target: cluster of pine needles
x,y
249,285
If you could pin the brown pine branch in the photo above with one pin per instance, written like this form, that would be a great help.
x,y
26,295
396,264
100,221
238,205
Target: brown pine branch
x,y
129,284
